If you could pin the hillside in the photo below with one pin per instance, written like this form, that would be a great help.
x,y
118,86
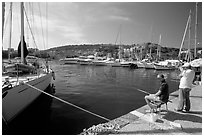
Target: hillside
x,y
104,49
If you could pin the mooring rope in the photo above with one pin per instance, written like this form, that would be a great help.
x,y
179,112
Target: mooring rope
x,y
66,102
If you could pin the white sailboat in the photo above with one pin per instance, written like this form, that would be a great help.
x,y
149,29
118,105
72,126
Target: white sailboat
x,y
164,65
140,64
139,61
125,63
99,61
147,63
116,63
17,96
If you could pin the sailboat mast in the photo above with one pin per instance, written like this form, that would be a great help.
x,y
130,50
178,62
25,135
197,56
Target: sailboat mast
x,y
141,53
22,32
188,55
150,50
183,37
120,44
160,39
158,48
3,16
196,24
189,43
10,34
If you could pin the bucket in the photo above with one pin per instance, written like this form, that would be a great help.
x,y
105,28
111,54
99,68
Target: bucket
x,y
153,117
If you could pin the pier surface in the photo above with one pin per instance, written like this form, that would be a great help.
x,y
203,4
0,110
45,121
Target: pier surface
x,y
169,122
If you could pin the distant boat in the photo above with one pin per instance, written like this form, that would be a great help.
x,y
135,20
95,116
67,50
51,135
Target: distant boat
x,y
164,65
125,63
116,63
140,64
174,63
69,60
148,65
84,60
196,62
110,62
16,97
98,61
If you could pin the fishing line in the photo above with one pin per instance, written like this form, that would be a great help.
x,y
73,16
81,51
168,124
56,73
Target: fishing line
x,y
146,91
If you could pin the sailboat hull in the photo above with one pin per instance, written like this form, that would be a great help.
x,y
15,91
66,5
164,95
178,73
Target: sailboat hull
x,y
125,63
140,65
116,64
18,98
99,63
162,67
148,65
69,61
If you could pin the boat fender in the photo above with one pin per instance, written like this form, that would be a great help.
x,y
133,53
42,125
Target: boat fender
x,y
53,75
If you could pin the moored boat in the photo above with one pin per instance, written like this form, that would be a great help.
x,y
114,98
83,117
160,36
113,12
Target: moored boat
x,y
110,62
140,64
164,65
83,60
99,61
116,63
16,94
69,60
125,63
148,65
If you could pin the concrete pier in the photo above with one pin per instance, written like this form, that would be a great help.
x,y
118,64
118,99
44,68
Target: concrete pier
x,y
168,121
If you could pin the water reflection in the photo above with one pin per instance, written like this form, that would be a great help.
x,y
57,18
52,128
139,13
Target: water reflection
x,y
107,91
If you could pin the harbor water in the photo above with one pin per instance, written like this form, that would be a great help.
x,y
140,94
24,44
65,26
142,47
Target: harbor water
x,y
107,91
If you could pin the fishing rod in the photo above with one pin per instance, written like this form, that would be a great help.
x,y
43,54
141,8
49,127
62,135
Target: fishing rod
x,y
146,91
143,91
175,80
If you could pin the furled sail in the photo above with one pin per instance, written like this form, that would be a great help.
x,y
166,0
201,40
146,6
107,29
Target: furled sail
x,y
25,50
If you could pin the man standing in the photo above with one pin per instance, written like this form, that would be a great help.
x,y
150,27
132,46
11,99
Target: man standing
x,y
187,76
161,96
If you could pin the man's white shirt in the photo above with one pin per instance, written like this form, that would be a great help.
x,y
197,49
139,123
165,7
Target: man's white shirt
x,y
187,78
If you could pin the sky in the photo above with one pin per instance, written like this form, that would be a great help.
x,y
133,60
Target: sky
x,y
74,23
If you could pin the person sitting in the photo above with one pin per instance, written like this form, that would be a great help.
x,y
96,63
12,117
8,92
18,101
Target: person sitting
x,y
161,96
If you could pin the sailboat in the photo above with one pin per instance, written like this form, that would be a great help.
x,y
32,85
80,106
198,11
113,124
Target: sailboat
x,y
17,95
173,64
187,52
148,64
116,62
140,62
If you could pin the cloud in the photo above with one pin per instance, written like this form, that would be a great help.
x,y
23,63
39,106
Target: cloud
x,y
72,33
115,17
